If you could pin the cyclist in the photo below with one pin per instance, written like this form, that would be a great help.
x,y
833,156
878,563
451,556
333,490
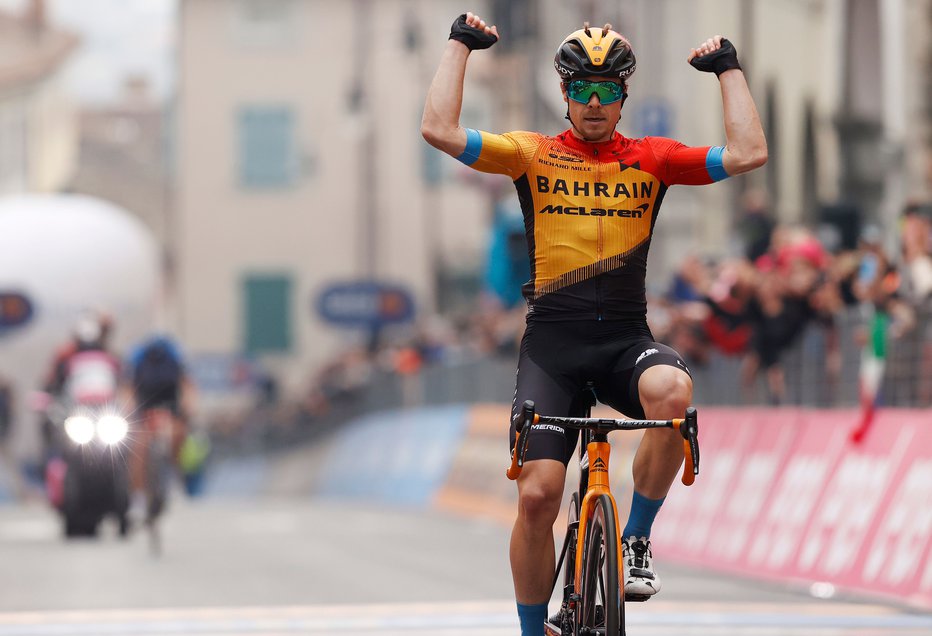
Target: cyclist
x,y
590,198
157,379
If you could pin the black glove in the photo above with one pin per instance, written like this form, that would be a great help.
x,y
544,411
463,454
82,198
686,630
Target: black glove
x,y
724,59
472,37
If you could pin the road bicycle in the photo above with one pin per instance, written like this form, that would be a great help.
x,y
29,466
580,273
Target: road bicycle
x,y
593,579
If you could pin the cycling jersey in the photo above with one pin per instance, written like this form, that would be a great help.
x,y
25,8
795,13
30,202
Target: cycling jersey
x,y
589,212
155,371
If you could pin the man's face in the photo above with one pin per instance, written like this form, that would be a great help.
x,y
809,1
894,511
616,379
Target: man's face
x,y
594,120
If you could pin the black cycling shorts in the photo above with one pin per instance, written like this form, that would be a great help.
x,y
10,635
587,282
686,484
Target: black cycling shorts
x,y
558,359
168,399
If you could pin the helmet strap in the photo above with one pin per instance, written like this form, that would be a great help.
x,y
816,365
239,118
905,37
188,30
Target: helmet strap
x,y
575,127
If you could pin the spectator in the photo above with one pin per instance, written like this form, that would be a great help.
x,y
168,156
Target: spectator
x,y
756,225
728,324
917,287
6,410
886,316
917,252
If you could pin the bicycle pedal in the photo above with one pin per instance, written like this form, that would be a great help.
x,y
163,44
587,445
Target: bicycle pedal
x,y
552,630
636,598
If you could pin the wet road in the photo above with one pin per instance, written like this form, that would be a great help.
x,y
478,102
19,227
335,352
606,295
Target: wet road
x,y
292,566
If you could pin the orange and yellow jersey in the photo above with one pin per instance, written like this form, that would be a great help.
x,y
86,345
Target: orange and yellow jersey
x,y
589,212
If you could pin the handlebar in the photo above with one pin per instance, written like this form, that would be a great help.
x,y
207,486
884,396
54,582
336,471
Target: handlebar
x,y
687,426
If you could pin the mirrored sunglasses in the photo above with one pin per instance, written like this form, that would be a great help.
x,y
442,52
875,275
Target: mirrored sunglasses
x,y
581,91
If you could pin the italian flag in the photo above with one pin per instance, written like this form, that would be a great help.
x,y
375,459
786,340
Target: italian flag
x,y
873,364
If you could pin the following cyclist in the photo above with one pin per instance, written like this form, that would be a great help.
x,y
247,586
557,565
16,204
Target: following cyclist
x,y
157,379
590,197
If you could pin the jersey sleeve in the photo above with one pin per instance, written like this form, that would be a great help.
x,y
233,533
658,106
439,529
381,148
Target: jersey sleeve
x,y
510,153
687,165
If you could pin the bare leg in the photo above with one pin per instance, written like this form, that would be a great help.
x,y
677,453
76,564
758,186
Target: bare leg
x,y
540,492
140,439
777,384
665,393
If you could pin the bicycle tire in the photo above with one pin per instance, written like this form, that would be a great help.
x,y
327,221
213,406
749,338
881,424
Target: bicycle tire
x,y
602,604
569,563
156,477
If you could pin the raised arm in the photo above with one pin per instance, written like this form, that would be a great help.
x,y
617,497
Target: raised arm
x,y
745,145
440,125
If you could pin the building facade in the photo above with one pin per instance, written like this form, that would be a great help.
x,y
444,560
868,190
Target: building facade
x,y
300,165
124,150
38,129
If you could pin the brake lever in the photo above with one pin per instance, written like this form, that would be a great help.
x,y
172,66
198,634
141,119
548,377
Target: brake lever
x,y
689,429
521,441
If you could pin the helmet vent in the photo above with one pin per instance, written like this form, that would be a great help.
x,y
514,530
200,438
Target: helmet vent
x,y
594,51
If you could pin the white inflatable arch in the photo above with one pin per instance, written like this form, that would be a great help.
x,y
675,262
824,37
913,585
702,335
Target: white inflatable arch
x,y
67,254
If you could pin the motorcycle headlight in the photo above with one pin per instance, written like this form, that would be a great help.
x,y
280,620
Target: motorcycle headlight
x,y
80,429
112,429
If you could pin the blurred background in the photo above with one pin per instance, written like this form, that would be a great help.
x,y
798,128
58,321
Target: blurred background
x,y
248,178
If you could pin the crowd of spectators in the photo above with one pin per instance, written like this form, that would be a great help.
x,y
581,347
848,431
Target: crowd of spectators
x,y
754,306
758,305
488,330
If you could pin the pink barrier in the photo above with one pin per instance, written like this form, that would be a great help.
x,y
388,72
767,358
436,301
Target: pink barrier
x,y
784,494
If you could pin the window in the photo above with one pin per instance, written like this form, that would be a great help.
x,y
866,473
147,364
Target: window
x,y
267,313
264,23
267,149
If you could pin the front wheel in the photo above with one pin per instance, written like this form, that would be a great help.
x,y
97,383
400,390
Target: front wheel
x,y
569,564
601,608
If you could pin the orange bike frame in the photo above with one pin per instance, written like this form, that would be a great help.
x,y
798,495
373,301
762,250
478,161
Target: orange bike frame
x,y
598,454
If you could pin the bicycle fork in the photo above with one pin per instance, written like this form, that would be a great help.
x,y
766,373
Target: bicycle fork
x,y
598,452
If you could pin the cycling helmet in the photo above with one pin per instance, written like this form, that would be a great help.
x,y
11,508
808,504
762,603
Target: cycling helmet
x,y
87,331
593,51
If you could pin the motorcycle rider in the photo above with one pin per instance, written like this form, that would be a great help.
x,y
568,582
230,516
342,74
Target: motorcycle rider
x,y
85,478
70,376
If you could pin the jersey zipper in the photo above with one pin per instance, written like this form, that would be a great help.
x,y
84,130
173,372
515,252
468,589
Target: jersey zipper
x,y
599,241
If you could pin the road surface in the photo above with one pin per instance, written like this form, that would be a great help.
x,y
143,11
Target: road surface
x,y
304,566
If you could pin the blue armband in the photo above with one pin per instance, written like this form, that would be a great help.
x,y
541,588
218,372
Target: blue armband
x,y
713,163
473,147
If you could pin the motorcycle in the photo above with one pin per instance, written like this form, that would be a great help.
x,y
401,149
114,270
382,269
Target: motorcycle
x,y
87,478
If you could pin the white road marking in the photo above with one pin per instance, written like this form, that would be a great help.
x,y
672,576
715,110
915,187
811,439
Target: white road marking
x,y
492,618
27,530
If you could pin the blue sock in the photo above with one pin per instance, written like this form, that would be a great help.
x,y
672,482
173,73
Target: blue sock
x,y
643,511
532,619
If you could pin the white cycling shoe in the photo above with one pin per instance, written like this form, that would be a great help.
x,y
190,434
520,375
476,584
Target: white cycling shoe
x,y
641,582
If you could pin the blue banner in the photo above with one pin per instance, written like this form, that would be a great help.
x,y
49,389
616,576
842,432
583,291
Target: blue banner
x,y
365,304
15,309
